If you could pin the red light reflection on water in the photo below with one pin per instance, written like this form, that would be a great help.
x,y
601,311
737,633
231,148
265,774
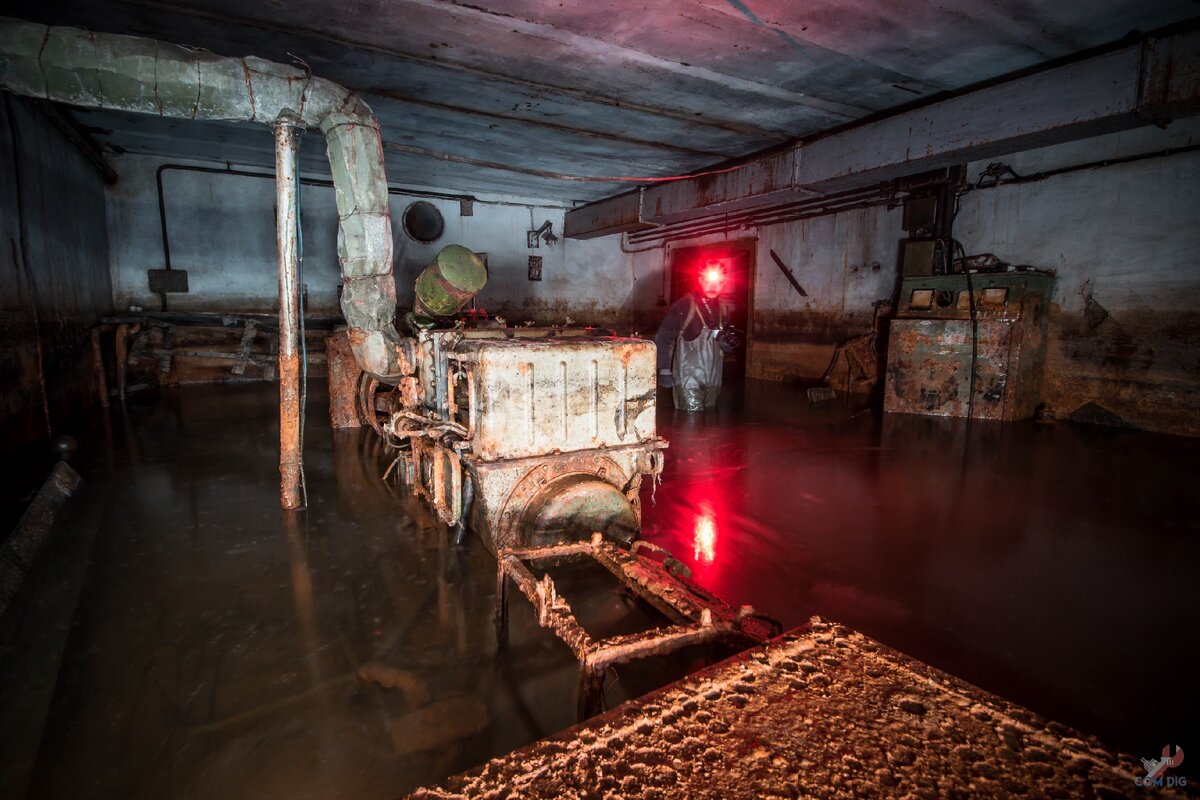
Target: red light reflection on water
x,y
704,538
699,517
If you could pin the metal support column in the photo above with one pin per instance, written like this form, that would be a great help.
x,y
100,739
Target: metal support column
x,y
287,242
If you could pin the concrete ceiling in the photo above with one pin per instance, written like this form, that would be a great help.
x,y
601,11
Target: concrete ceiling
x,y
506,96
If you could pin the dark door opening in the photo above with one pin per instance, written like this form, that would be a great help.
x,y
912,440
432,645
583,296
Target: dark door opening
x,y
737,257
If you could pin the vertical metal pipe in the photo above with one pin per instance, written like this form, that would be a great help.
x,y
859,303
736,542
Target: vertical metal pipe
x,y
287,243
98,365
121,351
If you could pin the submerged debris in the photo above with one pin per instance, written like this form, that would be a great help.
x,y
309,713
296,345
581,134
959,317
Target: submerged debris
x,y
439,724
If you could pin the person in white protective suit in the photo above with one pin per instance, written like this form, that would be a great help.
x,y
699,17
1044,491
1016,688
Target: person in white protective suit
x,y
692,341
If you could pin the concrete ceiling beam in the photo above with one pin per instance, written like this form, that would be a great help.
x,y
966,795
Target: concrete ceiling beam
x,y
1152,82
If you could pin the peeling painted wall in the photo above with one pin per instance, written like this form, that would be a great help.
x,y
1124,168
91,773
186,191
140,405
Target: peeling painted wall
x,y
54,279
844,262
1124,241
221,229
1124,338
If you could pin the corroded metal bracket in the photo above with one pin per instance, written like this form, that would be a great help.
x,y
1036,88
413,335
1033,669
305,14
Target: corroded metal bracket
x,y
697,616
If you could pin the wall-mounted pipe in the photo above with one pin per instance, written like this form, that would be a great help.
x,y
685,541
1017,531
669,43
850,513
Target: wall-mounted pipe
x,y
99,70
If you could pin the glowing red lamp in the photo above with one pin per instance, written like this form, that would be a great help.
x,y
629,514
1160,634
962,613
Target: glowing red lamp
x,y
712,276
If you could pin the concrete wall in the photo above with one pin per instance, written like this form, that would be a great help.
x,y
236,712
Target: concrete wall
x,y
844,262
1124,241
221,230
54,279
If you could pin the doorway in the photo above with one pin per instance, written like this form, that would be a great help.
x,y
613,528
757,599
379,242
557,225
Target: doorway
x,y
737,258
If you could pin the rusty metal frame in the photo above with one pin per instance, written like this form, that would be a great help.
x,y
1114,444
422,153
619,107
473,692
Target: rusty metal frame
x,y
698,617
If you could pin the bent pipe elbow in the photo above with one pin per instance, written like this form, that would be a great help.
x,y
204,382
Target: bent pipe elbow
x,y
130,73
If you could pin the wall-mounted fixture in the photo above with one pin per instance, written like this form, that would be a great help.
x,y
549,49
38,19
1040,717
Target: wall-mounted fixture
x,y
535,268
166,280
544,233
423,222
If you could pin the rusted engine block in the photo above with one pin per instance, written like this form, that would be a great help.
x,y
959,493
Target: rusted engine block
x,y
532,436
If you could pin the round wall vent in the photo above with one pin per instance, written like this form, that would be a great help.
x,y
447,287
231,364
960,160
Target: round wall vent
x,y
423,222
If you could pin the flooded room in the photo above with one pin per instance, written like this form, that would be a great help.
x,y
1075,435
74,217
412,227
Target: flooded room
x,y
711,399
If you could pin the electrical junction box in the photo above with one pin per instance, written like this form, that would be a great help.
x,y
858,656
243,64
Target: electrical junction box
x,y
920,257
932,343
162,281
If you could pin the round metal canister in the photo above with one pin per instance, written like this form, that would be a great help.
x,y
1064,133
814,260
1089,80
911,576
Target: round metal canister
x,y
449,283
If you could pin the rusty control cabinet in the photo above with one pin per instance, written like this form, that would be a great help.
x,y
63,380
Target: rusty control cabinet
x,y
933,342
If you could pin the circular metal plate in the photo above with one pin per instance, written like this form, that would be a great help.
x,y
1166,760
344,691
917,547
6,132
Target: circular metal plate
x,y
423,222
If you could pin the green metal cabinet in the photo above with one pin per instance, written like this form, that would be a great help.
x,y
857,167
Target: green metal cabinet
x,y
930,345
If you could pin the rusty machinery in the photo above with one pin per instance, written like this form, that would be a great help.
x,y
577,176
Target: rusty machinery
x,y
969,334
695,616
540,439
530,436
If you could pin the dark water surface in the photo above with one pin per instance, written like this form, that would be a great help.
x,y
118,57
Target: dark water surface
x,y
1055,565
223,648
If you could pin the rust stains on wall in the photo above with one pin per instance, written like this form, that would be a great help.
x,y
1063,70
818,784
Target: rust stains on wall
x,y
1128,368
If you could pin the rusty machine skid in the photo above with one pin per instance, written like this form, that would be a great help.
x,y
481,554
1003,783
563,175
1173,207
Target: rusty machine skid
x,y
697,617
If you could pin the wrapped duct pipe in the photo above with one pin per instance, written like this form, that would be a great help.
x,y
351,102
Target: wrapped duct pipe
x,y
128,73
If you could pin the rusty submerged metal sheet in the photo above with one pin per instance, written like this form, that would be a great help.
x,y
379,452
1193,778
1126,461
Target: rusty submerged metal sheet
x,y
822,711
